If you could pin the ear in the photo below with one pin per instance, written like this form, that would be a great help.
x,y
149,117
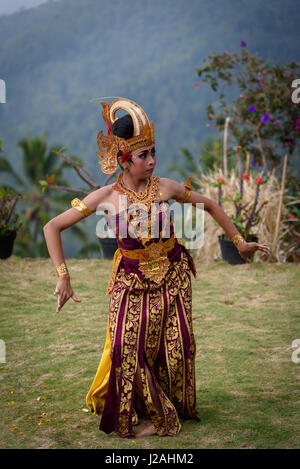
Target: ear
x,y
120,164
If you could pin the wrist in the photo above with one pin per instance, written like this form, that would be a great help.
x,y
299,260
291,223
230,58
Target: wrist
x,y
241,247
64,277
238,240
62,270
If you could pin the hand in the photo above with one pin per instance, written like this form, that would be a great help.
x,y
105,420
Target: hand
x,y
64,291
248,249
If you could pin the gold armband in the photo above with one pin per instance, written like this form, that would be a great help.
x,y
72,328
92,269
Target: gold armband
x,y
238,239
62,269
79,205
188,190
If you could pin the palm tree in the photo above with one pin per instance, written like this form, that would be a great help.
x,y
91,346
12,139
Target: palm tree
x,y
38,208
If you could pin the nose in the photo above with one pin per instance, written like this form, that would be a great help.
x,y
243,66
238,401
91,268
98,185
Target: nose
x,y
151,160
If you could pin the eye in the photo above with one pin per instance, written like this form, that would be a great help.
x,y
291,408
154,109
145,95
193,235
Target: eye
x,y
153,152
143,155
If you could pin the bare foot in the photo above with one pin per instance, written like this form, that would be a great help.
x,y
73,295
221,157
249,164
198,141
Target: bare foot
x,y
146,431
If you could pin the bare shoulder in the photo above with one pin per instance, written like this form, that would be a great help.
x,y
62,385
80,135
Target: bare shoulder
x,y
71,216
98,196
171,189
175,190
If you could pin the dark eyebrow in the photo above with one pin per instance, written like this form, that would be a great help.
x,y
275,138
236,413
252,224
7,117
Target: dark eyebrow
x,y
146,151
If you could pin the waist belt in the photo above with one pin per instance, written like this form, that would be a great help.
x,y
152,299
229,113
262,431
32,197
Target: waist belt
x,y
153,259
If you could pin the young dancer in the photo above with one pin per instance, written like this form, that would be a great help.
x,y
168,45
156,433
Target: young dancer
x,y
148,364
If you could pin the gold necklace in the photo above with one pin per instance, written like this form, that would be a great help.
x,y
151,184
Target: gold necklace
x,y
138,195
147,196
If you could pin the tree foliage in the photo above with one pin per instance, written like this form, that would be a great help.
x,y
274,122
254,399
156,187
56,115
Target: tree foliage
x,y
38,204
263,118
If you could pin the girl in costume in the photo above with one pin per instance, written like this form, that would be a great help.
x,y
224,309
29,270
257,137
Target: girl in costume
x,y
148,364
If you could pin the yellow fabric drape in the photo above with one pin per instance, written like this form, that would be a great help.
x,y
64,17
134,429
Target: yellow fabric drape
x,y
95,398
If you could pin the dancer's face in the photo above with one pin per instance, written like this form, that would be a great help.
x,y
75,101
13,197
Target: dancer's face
x,y
143,162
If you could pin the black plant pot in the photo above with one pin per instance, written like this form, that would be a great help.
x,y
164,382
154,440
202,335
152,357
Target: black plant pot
x,y
230,252
7,244
108,247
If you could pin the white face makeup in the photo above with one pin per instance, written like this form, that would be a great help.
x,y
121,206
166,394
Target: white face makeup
x,y
144,161
143,152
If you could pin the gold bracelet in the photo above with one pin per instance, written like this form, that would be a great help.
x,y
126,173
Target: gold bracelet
x,y
238,239
62,269
188,190
79,205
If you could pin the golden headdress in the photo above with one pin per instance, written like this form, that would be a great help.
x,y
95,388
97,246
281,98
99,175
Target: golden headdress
x,y
110,144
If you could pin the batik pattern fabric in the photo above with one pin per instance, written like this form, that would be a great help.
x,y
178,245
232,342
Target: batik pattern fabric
x,y
150,325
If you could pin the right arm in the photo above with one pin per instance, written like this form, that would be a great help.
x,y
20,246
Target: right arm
x,y
52,231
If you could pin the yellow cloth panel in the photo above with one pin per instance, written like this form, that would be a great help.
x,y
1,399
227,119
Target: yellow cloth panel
x,y
95,398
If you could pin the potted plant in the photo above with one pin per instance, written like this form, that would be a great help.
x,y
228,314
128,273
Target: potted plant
x,y
9,220
108,246
107,238
245,218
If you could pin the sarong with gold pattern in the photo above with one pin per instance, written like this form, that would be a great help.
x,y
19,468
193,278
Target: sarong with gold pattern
x,y
150,325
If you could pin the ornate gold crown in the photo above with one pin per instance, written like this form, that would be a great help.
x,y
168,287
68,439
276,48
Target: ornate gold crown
x,y
110,144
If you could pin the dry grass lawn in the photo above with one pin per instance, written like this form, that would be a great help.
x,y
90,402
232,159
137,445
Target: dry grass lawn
x,y
247,384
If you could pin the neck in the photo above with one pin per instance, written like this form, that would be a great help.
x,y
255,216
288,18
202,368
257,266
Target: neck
x,y
134,183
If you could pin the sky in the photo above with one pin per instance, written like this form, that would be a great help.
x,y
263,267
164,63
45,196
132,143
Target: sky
x,y
11,6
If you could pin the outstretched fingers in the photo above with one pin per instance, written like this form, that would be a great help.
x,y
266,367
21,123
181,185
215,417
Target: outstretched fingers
x,y
264,247
61,300
74,297
60,304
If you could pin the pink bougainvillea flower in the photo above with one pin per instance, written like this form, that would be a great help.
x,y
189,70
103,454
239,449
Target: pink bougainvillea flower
x,y
243,44
245,176
244,445
239,147
220,181
297,124
292,216
265,118
259,180
251,108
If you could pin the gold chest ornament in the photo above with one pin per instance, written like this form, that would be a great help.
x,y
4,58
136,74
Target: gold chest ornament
x,y
153,259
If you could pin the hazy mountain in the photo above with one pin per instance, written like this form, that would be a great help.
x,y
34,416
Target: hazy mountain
x,y
56,58
7,7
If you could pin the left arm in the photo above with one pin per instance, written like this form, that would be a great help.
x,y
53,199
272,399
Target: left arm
x,y
245,249
177,191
